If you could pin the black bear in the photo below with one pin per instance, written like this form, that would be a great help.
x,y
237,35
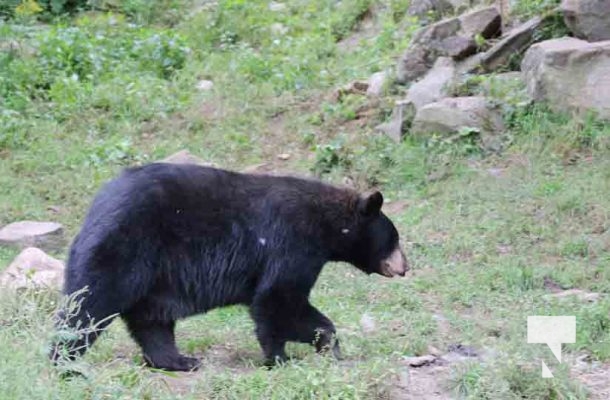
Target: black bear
x,y
165,241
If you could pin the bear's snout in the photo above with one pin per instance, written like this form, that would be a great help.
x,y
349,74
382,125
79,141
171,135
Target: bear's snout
x,y
395,264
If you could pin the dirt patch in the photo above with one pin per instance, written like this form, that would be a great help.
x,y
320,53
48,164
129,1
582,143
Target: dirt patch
x,y
217,358
597,382
426,383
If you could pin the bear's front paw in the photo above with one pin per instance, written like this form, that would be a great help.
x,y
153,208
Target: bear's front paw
x,y
179,363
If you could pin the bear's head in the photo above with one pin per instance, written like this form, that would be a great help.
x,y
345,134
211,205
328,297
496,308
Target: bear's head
x,y
376,245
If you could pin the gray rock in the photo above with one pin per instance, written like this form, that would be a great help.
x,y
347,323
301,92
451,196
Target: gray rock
x,y
570,74
46,235
450,115
434,85
588,19
486,22
437,31
205,85
33,269
513,43
377,83
277,7
399,120
432,41
422,8
458,47
414,63
185,157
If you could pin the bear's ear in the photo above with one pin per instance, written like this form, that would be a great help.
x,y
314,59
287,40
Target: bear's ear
x,y
370,204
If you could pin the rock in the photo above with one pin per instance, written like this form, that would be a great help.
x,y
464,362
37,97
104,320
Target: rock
x,y
587,19
413,64
434,85
368,323
423,8
450,115
278,29
46,235
354,87
570,74
204,85
437,31
419,361
277,7
432,42
377,83
458,47
399,120
33,269
185,157
283,156
470,65
513,43
486,22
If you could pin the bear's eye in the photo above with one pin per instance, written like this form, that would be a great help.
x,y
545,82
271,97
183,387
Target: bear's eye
x,y
345,231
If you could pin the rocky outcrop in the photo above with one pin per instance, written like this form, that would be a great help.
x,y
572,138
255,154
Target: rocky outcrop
x,y
46,235
33,269
514,43
450,115
452,37
588,19
434,86
570,74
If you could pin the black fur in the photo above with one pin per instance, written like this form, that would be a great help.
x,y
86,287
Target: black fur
x,y
163,242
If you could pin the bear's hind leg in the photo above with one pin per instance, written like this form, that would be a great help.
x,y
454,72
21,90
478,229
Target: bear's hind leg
x,y
268,317
158,343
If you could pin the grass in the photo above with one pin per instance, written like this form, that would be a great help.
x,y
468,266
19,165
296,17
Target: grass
x,y
85,95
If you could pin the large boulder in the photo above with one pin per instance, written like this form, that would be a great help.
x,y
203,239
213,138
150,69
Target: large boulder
x,y
377,84
399,121
588,19
33,269
434,86
450,115
452,37
22,234
570,74
514,43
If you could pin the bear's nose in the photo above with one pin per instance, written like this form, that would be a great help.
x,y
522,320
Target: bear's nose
x,y
395,264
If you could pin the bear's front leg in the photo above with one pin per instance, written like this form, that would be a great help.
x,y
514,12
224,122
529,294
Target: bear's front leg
x,y
315,328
